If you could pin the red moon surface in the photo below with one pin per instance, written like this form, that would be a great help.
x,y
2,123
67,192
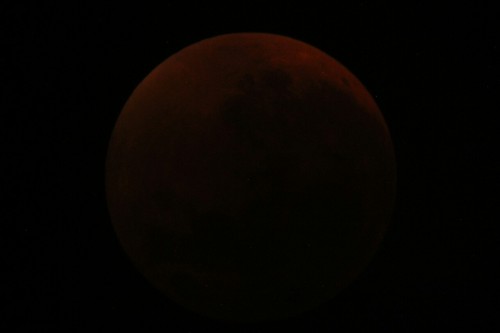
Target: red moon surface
x,y
250,177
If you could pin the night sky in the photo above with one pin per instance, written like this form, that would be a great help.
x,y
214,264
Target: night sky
x,y
68,70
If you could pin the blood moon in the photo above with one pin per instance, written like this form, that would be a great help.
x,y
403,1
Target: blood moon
x,y
250,177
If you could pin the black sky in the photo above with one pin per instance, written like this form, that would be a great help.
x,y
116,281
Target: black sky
x,y
67,71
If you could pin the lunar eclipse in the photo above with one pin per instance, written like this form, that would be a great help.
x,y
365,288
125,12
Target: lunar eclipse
x,y
250,177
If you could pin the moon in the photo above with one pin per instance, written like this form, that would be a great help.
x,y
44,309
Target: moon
x,y
250,177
